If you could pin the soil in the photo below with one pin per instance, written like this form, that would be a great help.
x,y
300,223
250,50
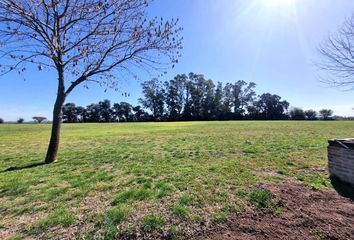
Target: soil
x,y
306,214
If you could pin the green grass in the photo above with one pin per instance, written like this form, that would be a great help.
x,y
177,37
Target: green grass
x,y
177,172
180,211
261,198
116,215
220,217
59,217
152,223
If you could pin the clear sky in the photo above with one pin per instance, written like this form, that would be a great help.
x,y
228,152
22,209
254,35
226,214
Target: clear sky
x,y
270,42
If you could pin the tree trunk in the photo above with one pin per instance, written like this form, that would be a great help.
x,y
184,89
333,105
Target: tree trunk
x,y
57,117
55,134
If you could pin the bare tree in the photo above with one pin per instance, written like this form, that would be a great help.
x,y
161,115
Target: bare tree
x,y
82,41
338,56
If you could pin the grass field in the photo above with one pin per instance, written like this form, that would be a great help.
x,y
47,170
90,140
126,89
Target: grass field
x,y
158,179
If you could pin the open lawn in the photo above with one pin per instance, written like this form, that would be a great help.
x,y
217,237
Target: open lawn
x,y
153,179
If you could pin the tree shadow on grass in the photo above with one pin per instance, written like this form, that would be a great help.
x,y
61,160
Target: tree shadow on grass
x,y
344,189
10,169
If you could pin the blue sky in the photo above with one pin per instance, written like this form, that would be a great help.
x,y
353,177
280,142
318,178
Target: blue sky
x,y
270,42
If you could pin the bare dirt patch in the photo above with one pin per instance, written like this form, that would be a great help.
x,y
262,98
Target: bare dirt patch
x,y
306,214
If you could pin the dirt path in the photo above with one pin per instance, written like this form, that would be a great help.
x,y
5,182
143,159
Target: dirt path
x,y
307,214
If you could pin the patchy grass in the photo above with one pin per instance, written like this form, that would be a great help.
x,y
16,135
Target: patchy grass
x,y
186,200
59,217
131,195
180,211
152,223
116,216
220,217
151,176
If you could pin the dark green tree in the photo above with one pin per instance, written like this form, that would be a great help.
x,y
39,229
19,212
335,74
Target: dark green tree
x,y
218,108
228,101
81,114
243,96
154,98
117,113
208,102
196,91
105,111
268,107
70,114
326,114
297,114
126,111
175,96
20,120
139,114
187,108
311,115
93,113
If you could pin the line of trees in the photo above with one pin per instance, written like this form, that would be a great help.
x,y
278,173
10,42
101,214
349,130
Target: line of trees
x,y
36,119
104,111
192,97
300,114
125,112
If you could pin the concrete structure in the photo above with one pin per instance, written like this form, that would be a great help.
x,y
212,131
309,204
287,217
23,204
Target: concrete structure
x,y
341,159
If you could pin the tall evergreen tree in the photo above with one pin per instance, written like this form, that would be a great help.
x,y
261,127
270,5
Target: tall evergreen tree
x,y
196,91
126,111
93,113
154,97
105,111
175,96
227,101
243,96
218,108
208,102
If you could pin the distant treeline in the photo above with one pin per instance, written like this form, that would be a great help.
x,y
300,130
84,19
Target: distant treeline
x,y
190,98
